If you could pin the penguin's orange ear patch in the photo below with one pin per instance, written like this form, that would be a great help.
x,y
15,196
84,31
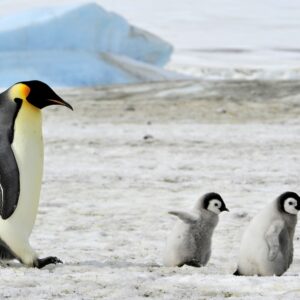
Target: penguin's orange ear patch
x,y
19,90
24,91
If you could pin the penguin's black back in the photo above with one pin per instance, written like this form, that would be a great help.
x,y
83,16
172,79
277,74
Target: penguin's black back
x,y
9,172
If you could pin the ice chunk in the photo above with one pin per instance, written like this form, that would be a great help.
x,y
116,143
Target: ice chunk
x,y
66,46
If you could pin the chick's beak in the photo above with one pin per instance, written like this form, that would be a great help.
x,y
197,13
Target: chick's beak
x,y
225,209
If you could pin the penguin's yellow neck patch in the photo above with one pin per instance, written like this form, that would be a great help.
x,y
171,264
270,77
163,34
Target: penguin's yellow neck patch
x,y
19,90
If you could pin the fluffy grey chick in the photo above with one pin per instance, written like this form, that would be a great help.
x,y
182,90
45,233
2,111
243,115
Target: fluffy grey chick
x,y
190,241
267,244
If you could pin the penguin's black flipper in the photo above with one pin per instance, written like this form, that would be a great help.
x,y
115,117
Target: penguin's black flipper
x,y
9,171
9,184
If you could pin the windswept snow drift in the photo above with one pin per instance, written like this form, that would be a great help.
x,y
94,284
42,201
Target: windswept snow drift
x,y
70,45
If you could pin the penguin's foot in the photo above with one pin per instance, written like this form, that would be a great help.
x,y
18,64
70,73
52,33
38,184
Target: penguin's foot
x,y
237,273
193,263
42,262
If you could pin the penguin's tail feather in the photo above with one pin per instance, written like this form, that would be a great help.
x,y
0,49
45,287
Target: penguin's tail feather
x,y
5,252
237,273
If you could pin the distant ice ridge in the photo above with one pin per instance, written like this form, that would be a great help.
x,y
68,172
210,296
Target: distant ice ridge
x,y
79,46
236,73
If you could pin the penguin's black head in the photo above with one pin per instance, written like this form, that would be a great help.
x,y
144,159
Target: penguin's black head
x,y
41,95
289,202
214,203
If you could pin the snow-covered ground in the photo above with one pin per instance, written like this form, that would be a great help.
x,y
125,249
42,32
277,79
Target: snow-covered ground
x,y
128,154
107,190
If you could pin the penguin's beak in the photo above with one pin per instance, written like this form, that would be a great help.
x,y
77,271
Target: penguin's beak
x,y
59,101
298,206
225,209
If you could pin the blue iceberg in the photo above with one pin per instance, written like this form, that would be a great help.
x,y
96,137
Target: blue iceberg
x,y
79,46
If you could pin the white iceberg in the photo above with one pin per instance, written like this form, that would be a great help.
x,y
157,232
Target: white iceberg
x,y
78,46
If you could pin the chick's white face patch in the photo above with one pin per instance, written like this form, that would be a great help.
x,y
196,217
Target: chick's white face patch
x,y
214,206
290,206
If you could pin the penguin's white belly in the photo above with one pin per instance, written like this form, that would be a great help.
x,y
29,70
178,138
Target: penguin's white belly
x,y
254,253
256,261
28,150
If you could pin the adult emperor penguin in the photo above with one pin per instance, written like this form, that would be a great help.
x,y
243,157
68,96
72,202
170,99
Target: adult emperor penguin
x,y
21,167
267,244
190,241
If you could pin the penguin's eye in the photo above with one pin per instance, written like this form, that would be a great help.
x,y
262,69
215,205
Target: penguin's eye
x,y
290,203
216,204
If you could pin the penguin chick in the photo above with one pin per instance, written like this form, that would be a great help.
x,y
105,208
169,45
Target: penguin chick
x,y
267,244
190,241
21,167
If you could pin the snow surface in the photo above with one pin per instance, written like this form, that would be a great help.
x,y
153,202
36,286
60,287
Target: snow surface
x,y
106,190
68,46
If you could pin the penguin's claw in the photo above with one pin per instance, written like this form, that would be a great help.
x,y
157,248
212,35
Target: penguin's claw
x,y
55,260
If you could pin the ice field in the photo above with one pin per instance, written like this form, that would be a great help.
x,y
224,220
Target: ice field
x,y
107,190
